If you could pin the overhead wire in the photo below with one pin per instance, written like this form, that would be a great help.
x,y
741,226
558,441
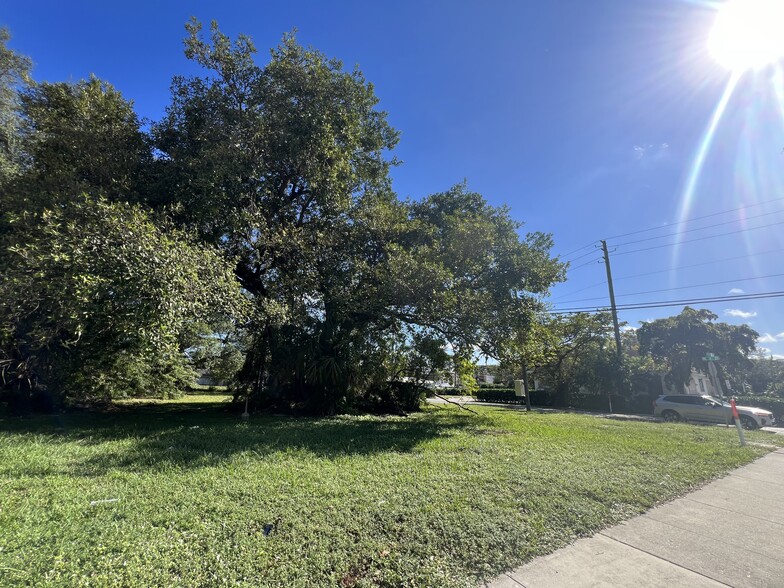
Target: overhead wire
x,y
677,288
665,303
658,304
696,229
664,271
578,249
584,264
602,283
699,239
696,218
580,256
683,222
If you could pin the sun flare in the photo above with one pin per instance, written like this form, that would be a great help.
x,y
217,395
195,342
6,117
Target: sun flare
x,y
748,34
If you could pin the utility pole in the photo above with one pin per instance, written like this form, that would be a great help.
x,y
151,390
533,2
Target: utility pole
x,y
612,300
614,310
712,358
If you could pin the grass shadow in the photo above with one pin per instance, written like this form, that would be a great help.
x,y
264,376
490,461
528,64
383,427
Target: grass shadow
x,y
204,434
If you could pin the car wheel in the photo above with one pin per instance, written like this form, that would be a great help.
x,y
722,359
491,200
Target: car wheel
x,y
747,422
671,416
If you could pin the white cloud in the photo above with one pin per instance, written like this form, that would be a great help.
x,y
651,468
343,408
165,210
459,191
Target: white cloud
x,y
768,353
649,151
739,313
736,291
626,328
767,338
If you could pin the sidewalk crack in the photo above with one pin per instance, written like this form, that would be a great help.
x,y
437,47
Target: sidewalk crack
x,y
665,559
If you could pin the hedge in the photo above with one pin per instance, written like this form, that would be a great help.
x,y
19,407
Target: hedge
x,y
774,405
502,395
573,400
448,392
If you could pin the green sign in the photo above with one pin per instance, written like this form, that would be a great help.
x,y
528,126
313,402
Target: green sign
x,y
711,357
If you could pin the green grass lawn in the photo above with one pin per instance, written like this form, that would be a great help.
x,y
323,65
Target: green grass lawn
x,y
441,498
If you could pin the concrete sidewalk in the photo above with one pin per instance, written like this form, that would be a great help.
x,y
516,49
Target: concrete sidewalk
x,y
728,533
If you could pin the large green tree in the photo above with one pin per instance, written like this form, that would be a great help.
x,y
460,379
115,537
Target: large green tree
x,y
682,342
285,168
99,297
578,353
14,78
765,376
78,138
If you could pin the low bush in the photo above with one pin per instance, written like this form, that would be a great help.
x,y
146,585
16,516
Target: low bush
x,y
450,392
504,395
546,398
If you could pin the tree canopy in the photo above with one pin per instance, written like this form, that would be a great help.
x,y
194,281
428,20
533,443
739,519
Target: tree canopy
x,y
682,342
98,296
14,76
96,300
286,168
281,172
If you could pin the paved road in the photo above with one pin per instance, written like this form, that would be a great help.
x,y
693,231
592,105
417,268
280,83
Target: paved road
x,y
728,533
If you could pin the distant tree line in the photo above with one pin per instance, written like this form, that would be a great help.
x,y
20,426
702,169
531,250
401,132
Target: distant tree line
x,y
575,356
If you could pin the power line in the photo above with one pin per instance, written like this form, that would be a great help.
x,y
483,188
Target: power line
x,y
696,218
602,283
581,256
683,222
696,229
665,303
584,264
699,239
664,271
579,249
678,288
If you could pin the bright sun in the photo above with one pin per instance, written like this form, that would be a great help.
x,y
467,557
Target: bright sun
x,y
748,34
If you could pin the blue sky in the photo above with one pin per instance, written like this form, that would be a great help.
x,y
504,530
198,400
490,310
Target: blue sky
x,y
585,118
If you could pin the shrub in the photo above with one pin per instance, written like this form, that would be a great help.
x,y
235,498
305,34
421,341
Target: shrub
x,y
545,398
450,392
774,405
505,395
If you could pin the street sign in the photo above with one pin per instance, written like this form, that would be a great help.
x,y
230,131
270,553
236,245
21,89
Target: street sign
x,y
711,357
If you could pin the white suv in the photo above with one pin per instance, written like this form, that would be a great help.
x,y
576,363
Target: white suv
x,y
706,409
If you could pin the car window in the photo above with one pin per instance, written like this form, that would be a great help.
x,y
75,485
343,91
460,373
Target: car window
x,y
680,399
